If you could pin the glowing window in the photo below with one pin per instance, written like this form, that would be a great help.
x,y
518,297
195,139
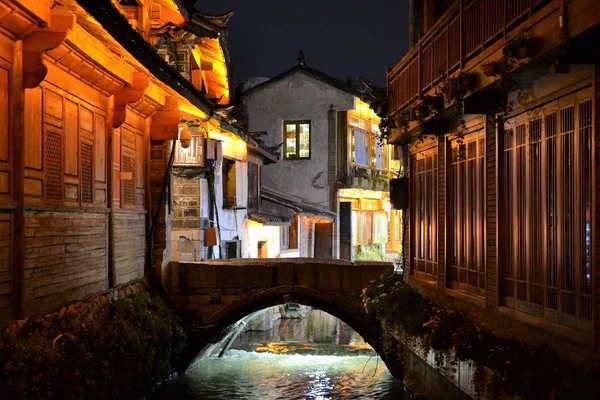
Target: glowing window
x,y
297,140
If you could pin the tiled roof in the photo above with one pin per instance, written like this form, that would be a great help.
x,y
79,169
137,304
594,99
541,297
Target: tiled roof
x,y
119,28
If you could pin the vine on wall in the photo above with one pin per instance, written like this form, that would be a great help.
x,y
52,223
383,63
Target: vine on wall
x,y
506,366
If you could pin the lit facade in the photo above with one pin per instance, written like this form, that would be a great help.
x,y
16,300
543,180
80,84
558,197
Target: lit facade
x,y
88,113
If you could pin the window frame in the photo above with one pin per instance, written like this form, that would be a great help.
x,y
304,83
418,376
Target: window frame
x,y
297,123
425,240
556,293
466,212
225,183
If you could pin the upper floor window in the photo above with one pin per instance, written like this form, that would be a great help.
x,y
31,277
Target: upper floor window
x,y
366,150
297,140
229,183
253,184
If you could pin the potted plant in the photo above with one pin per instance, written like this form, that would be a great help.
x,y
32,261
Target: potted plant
x,y
433,103
520,46
490,69
457,87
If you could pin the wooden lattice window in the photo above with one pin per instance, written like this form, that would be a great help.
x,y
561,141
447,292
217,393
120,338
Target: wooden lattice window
x,y
547,212
53,172
425,229
467,215
129,184
86,173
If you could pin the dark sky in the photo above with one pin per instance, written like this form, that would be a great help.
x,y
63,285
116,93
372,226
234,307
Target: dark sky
x,y
344,38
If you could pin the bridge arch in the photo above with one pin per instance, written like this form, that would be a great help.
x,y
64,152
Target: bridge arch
x,y
213,296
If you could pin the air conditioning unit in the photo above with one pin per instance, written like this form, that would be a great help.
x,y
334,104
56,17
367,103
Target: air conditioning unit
x,y
231,248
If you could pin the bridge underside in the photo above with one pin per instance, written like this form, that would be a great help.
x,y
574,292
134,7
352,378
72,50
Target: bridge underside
x,y
212,296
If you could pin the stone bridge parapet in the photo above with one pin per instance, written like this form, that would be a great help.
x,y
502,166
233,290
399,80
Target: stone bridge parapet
x,y
203,289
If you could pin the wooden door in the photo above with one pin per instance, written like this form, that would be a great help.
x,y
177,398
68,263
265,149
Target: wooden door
x,y
324,240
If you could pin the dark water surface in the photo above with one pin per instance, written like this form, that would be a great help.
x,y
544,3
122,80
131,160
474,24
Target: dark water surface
x,y
316,357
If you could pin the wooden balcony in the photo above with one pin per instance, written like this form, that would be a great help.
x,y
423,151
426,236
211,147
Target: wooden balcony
x,y
471,31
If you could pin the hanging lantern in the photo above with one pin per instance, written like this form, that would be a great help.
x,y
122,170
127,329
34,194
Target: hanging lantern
x,y
185,136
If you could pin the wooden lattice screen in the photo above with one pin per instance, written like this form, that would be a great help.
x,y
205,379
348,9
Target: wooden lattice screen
x,y
129,184
86,173
53,168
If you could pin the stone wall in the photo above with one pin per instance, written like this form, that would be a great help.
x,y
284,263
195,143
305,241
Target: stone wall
x,y
306,236
299,97
72,316
65,256
130,245
203,289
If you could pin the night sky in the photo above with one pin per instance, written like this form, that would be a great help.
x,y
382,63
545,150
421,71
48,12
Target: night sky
x,y
343,38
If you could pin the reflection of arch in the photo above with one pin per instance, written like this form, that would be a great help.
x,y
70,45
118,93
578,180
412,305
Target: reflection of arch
x,y
351,314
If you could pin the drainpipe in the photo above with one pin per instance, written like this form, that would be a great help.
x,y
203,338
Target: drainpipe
x,y
213,210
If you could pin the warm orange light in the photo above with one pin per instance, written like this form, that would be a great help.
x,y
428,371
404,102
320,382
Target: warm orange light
x,y
190,109
231,145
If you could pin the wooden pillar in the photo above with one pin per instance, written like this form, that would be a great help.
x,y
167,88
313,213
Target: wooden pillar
x,y
127,95
110,178
17,136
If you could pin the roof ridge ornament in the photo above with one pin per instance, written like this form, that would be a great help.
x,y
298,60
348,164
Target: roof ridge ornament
x,y
301,59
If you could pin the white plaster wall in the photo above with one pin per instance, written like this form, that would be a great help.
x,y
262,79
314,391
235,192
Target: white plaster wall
x,y
270,234
234,222
297,97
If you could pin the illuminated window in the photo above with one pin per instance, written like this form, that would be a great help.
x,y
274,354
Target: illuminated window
x,y
296,140
359,147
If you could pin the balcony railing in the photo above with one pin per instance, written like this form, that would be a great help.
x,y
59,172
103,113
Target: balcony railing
x,y
465,30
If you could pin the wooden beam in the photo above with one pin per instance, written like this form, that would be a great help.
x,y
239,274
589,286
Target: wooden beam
x,y
165,123
206,65
42,40
128,95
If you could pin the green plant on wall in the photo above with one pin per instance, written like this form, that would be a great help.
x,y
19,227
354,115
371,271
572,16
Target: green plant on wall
x,y
121,351
370,253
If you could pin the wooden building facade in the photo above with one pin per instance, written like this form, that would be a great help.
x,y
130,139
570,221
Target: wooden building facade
x,y
84,102
503,207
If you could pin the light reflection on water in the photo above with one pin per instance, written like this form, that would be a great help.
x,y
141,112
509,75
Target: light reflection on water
x,y
249,375
317,357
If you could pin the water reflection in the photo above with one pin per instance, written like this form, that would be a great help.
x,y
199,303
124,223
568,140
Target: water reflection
x,y
317,357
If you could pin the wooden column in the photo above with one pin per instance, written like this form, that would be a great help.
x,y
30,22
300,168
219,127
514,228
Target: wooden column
x,y
17,136
117,114
110,137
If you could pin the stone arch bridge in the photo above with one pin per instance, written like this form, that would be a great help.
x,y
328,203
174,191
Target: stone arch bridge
x,y
213,295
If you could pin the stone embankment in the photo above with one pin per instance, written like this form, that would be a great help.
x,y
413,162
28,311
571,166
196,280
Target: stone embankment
x,y
116,344
72,317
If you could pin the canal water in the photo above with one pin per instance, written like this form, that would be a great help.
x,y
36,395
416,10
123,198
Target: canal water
x,y
315,357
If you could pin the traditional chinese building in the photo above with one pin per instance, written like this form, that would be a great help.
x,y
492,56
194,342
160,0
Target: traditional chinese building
x,y
93,93
497,104
332,162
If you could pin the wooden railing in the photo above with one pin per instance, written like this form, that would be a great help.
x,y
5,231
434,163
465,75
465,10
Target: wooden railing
x,y
466,29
